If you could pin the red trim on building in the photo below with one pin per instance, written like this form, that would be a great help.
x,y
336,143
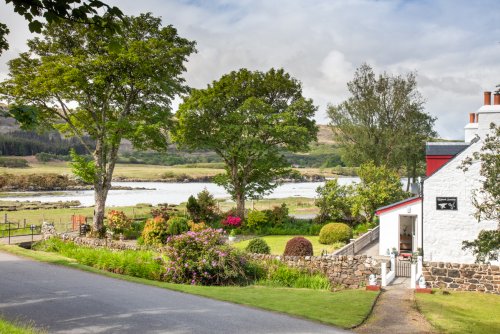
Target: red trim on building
x,y
434,162
398,205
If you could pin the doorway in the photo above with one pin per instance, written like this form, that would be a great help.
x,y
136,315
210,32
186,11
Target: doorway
x,y
407,234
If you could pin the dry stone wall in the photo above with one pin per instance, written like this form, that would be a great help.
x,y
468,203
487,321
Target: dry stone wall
x,y
464,277
343,271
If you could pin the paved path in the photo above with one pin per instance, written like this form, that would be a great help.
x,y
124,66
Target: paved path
x,y
395,312
64,300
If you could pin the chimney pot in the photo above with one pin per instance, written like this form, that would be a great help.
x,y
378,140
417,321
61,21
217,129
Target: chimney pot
x,y
472,117
496,99
487,98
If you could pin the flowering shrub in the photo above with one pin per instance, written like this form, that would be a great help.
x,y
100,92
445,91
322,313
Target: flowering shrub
x,y
232,221
118,221
155,231
204,258
197,227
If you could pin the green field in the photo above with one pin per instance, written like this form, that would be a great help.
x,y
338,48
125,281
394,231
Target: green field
x,y
461,312
61,218
277,244
146,172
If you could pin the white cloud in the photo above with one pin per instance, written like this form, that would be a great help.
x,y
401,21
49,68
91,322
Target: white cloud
x,y
452,44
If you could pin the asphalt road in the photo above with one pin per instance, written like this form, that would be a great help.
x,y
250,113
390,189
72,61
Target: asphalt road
x,y
64,300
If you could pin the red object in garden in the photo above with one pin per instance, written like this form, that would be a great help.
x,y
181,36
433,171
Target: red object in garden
x,y
373,288
423,290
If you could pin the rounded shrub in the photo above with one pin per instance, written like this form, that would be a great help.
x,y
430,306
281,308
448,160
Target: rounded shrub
x,y
155,231
177,225
258,246
334,232
298,246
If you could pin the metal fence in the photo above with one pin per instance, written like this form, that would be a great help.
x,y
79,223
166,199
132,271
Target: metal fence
x,y
353,247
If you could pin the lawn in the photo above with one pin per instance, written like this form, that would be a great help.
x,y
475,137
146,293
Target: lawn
x,y
461,312
344,309
278,243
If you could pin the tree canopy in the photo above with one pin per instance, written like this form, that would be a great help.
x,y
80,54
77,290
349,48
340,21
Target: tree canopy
x,y
78,11
75,80
249,119
382,121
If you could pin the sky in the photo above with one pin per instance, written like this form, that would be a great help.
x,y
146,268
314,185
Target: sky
x,y
454,45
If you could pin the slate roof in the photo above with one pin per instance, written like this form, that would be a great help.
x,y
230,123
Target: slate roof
x,y
445,148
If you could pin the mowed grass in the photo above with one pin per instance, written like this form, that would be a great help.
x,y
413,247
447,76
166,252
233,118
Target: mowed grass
x,y
277,244
344,308
461,312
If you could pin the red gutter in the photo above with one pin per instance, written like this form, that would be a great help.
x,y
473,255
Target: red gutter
x,y
414,200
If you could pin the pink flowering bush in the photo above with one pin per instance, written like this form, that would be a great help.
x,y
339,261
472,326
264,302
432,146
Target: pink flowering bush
x,y
232,221
203,258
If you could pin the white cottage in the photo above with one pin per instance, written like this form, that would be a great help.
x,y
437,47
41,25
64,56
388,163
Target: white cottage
x,y
440,220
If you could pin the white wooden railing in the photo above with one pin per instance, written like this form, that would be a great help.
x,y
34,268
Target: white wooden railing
x,y
355,245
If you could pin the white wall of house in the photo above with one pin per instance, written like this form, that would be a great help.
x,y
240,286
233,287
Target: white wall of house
x,y
389,226
445,230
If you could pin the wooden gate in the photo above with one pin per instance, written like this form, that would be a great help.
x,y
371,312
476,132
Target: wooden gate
x,y
403,268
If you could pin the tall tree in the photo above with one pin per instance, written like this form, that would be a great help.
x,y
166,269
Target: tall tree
x,y
382,121
78,81
249,119
378,186
78,11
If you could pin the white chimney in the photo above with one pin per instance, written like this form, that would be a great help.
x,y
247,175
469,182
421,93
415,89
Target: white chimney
x,y
471,128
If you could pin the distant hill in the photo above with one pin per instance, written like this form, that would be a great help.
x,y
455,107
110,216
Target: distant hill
x,y
325,135
16,142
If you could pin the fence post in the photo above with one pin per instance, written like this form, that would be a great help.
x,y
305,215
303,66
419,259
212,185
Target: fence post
x,y
383,273
9,232
353,244
413,276
5,219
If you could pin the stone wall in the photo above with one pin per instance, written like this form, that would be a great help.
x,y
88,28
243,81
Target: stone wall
x,y
343,271
465,277
99,243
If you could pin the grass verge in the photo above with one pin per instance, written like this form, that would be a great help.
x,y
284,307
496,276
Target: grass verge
x,y
17,328
461,312
344,309
277,244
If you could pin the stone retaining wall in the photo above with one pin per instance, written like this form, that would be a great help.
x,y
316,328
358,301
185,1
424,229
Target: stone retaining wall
x,y
98,243
465,277
343,271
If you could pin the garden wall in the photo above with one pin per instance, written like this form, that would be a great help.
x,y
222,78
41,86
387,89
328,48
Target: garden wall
x,y
343,271
465,277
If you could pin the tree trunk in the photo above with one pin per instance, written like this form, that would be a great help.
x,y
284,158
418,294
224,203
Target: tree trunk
x,y
105,165
100,195
240,205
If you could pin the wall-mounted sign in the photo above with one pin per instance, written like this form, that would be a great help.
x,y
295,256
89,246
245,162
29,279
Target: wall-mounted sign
x,y
446,203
